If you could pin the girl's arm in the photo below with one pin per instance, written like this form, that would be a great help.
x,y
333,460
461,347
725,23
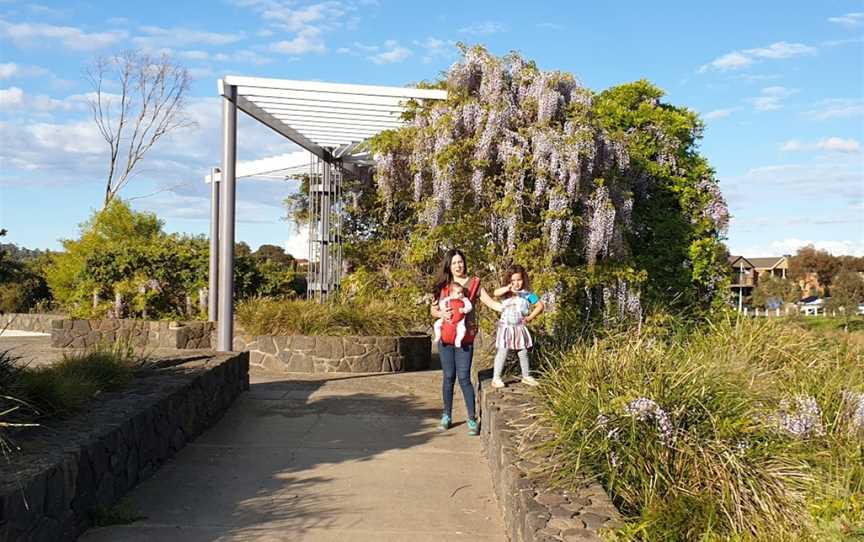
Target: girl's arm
x,y
539,307
467,306
489,302
501,290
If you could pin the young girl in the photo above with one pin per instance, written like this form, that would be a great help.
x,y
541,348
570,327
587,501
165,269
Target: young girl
x,y
512,330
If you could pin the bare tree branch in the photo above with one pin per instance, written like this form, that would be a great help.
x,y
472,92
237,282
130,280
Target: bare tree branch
x,y
150,102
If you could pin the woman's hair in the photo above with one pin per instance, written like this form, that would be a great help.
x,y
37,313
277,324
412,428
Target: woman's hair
x,y
512,270
445,277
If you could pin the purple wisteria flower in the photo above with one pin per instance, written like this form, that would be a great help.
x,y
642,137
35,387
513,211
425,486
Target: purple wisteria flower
x,y
800,417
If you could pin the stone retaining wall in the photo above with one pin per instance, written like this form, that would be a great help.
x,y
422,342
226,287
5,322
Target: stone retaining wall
x,y
85,464
140,333
324,354
28,322
532,510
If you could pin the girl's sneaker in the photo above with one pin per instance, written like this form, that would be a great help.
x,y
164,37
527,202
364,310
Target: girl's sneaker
x,y
473,427
530,381
445,422
497,382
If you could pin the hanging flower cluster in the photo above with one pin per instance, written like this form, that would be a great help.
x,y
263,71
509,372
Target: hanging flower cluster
x,y
800,417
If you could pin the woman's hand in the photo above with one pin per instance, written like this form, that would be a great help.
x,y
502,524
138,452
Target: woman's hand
x,y
447,314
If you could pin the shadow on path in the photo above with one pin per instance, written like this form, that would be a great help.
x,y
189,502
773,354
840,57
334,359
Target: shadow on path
x,y
302,457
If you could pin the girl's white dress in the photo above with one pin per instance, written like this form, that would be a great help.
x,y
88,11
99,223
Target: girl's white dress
x,y
512,332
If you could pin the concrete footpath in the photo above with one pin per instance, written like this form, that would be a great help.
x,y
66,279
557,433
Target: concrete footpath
x,y
336,457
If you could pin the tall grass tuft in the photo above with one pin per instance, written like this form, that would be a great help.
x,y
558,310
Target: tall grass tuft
x,y
712,434
265,316
65,386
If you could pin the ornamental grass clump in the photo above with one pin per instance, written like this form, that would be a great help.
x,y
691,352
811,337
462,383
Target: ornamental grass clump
x,y
264,316
744,429
64,387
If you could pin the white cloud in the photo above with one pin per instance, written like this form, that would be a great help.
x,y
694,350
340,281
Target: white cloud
x,y
837,248
156,37
551,26
11,97
194,55
744,58
27,34
297,244
392,52
307,41
838,144
80,137
836,108
771,98
831,144
483,29
719,113
850,19
294,20
387,53
435,49
242,56
8,70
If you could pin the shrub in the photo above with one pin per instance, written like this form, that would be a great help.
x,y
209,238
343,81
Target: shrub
x,y
267,316
741,429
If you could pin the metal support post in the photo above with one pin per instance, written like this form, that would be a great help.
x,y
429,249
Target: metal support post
x,y
225,321
213,282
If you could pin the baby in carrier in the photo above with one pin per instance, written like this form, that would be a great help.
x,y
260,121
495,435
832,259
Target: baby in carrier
x,y
460,305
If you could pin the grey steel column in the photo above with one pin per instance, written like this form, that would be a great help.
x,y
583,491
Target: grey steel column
x,y
325,232
225,321
213,282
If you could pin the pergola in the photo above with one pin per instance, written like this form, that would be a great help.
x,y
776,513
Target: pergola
x,y
330,121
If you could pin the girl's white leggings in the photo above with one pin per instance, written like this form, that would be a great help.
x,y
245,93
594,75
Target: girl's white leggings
x,y
501,357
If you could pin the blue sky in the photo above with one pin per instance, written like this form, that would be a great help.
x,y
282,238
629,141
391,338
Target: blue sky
x,y
779,84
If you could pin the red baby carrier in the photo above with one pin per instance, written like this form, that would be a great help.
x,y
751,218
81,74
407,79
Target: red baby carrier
x,y
448,329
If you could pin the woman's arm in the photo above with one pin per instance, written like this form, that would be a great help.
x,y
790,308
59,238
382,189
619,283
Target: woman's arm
x,y
538,308
436,311
489,302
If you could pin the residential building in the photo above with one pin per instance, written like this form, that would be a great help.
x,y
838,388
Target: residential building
x,y
775,266
743,280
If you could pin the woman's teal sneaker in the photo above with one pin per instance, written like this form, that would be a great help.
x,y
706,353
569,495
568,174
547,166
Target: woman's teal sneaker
x,y
473,427
445,422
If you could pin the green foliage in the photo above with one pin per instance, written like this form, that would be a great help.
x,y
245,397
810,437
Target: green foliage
x,y
121,251
721,467
847,293
23,286
775,288
262,316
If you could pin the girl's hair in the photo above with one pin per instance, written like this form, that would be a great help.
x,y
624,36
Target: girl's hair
x,y
445,277
512,270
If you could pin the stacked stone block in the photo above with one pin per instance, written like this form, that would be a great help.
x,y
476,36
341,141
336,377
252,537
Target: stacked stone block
x,y
533,510
138,333
51,490
331,354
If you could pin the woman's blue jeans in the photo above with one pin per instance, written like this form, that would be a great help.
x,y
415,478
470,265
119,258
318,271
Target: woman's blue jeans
x,y
456,363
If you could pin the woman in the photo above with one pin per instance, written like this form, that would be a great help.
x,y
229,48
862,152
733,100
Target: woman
x,y
456,362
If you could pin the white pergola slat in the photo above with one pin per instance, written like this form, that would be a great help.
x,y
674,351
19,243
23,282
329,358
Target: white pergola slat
x,y
328,120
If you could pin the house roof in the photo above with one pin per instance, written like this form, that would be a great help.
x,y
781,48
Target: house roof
x,y
767,262
737,261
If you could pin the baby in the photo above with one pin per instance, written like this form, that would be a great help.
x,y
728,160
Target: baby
x,y
460,305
